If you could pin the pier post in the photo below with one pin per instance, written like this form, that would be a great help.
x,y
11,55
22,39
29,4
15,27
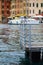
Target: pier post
x,y
41,54
29,36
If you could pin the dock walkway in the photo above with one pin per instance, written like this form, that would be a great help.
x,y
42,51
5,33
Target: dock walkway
x,y
31,35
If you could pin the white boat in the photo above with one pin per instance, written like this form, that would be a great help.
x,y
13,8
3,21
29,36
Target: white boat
x,y
32,21
14,21
23,21
39,17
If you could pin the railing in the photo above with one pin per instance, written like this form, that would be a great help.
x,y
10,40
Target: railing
x,y
31,36
21,36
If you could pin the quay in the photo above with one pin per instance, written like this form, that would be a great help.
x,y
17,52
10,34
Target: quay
x,y
31,40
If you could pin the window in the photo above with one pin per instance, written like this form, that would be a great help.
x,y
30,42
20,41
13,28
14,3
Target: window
x,y
30,4
33,11
13,6
27,4
17,12
13,12
2,12
2,0
3,18
24,11
39,11
41,4
33,4
7,6
2,6
10,0
27,11
24,4
8,12
36,4
30,11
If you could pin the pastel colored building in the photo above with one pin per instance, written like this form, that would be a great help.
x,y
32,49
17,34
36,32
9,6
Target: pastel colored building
x,y
5,9
19,8
0,12
35,7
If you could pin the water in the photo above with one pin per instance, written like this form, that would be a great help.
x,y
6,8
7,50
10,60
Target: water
x,y
10,50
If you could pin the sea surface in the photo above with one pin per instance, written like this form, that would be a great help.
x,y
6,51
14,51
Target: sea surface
x,y
11,52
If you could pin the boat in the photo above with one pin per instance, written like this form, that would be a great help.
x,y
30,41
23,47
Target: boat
x,y
38,17
23,21
14,21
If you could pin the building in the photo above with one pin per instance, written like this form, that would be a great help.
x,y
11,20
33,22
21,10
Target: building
x,y
5,9
12,8
19,8
0,12
26,7
16,8
35,7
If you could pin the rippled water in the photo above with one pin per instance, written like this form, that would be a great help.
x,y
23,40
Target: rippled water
x,y
10,50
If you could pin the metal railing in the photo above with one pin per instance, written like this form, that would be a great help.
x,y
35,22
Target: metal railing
x,y
31,35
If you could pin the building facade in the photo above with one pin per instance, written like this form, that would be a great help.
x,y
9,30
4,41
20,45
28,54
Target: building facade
x,y
35,7
19,8
0,12
5,9
26,7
